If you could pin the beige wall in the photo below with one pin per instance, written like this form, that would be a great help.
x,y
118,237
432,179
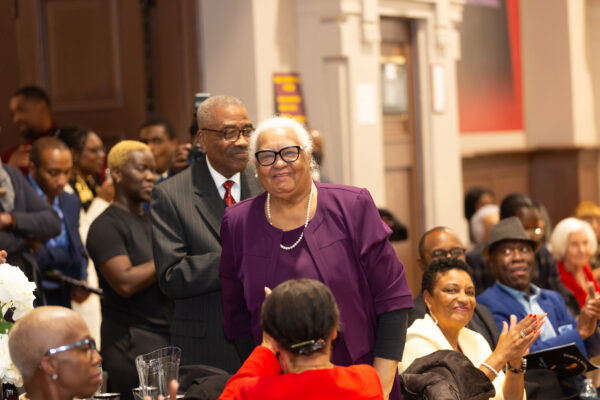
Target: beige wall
x,y
557,77
334,44
592,55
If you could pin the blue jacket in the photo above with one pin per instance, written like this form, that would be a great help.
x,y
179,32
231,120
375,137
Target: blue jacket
x,y
71,262
502,305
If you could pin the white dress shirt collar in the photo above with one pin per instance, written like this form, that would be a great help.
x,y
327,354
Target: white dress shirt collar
x,y
220,179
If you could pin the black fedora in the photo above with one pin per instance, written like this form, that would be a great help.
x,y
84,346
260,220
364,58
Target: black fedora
x,y
508,229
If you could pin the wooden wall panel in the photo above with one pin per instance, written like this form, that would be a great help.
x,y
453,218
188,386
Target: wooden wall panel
x,y
588,175
503,173
89,56
397,180
557,178
555,182
83,55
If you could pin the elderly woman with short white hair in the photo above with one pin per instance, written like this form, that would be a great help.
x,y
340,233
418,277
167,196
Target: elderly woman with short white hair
x,y
573,244
304,229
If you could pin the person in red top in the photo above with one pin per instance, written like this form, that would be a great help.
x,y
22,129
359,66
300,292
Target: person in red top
x,y
573,244
300,320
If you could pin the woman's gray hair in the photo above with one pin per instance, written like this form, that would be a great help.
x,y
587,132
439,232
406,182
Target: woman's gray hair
x,y
560,236
282,123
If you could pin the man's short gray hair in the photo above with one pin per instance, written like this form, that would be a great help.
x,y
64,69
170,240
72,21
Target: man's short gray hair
x,y
560,236
204,112
276,123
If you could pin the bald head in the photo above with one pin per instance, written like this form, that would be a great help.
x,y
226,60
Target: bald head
x,y
39,330
440,240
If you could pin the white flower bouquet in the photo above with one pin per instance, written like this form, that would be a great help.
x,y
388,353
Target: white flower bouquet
x,y
16,295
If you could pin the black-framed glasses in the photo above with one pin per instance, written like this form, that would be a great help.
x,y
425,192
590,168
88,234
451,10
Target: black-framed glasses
x,y
288,154
232,134
454,252
89,342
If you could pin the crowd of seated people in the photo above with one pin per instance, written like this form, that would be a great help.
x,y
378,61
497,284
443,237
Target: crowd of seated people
x,y
184,238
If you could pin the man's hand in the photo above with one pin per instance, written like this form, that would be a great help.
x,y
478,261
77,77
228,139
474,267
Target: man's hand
x,y
3,256
7,221
20,158
79,295
180,158
590,313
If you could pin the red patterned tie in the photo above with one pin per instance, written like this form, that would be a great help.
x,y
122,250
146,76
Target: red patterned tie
x,y
228,198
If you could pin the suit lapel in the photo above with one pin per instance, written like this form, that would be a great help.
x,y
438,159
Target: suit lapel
x,y
62,201
207,201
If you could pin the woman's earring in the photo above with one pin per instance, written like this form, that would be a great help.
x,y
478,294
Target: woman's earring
x,y
435,320
54,377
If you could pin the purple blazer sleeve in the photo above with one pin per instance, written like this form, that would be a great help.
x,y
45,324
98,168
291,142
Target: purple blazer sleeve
x,y
384,272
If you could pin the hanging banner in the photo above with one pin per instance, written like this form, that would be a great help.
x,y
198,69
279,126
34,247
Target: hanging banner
x,y
288,96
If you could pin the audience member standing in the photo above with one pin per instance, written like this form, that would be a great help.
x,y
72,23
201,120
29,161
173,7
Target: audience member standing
x,y
86,163
26,221
305,229
50,169
158,133
135,314
88,160
30,111
186,215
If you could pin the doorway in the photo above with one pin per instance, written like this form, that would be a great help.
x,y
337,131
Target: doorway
x,y
401,160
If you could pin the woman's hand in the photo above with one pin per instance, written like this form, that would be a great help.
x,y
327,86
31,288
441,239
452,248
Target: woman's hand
x,y
514,340
3,256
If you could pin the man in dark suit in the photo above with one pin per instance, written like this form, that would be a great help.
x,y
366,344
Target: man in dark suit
x,y
25,221
186,211
49,171
443,242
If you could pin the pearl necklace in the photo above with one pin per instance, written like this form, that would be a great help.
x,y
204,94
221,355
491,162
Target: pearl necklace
x,y
305,222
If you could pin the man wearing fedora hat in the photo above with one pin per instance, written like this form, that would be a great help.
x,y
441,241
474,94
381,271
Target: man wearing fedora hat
x,y
545,273
510,254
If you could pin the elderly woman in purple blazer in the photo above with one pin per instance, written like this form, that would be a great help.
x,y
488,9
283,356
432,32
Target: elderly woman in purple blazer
x,y
304,229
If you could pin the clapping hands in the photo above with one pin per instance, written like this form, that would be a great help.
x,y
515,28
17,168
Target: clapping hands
x,y
590,313
515,339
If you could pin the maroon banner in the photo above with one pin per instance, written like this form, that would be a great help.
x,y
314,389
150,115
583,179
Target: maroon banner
x,y
288,96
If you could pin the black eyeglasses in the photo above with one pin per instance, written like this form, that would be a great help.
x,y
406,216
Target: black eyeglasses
x,y
89,342
454,252
288,154
232,134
